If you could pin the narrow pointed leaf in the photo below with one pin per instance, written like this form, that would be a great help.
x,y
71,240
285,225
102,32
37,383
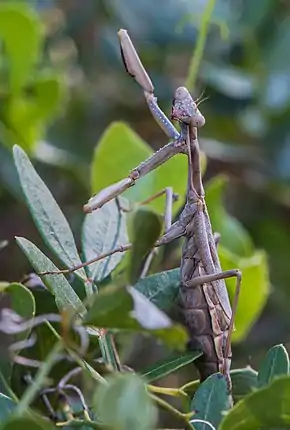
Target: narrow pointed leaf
x,y
266,408
103,231
3,244
65,296
210,401
124,403
161,288
127,309
275,363
170,365
47,215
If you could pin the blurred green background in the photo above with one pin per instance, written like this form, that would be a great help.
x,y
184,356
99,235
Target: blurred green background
x,y
62,83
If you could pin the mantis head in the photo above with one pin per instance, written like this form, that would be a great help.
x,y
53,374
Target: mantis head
x,y
185,110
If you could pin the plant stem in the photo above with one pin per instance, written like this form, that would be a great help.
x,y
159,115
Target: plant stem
x,y
37,384
7,387
200,45
192,386
82,363
175,392
80,423
175,412
109,351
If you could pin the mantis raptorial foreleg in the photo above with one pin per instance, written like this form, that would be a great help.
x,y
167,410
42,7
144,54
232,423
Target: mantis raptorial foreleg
x,y
135,68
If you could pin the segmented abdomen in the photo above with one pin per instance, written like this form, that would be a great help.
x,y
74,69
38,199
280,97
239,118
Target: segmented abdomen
x,y
203,316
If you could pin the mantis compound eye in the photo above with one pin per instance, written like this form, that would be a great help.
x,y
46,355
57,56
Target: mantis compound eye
x,y
181,93
199,120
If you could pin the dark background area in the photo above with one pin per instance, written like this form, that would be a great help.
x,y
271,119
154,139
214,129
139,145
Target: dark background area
x,y
245,73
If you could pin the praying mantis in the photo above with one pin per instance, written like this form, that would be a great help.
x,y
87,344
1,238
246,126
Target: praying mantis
x,y
203,299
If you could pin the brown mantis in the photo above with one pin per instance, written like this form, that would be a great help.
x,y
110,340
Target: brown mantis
x,y
204,301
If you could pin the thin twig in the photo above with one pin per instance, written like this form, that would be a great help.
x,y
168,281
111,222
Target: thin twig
x,y
175,412
200,45
122,248
80,423
39,379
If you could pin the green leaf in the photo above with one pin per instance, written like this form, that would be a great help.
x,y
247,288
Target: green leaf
x,y
124,403
161,288
3,244
244,382
47,215
146,226
172,174
104,230
266,408
275,363
22,302
7,407
21,32
170,365
32,423
120,150
20,125
210,401
228,80
127,309
27,115
48,92
233,235
251,300
65,296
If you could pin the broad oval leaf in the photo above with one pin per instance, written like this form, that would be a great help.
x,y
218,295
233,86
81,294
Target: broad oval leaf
x,y
104,230
210,401
161,288
21,32
127,309
244,382
26,115
169,365
146,229
233,235
65,296
47,215
48,87
31,423
251,300
124,403
119,151
265,408
22,302
275,363
173,174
